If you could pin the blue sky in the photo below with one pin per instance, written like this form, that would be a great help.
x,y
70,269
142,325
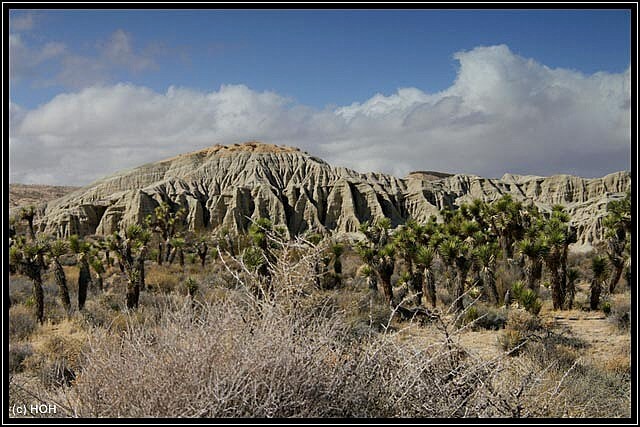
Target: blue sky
x,y
331,57
315,62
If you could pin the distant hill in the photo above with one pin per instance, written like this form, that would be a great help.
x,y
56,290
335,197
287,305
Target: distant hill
x,y
227,186
26,194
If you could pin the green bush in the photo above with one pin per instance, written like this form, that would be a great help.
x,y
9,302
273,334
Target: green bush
x,y
530,301
606,307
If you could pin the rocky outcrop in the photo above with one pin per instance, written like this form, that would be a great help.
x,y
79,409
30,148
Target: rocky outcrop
x,y
228,186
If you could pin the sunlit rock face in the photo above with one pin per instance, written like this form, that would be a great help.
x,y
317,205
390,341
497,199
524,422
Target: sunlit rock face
x,y
229,186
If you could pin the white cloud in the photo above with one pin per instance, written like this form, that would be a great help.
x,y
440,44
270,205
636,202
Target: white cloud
x,y
25,61
503,113
76,71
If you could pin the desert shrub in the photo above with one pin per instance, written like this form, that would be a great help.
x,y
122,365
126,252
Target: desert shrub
x,y
552,351
372,314
511,341
521,320
606,307
485,317
22,322
619,362
272,365
19,288
191,258
162,278
57,354
620,314
17,354
101,310
520,326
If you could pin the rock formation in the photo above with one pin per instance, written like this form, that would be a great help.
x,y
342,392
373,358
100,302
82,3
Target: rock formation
x,y
228,186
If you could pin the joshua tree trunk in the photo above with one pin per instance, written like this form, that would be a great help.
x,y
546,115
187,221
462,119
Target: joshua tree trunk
x,y
387,288
84,278
181,257
429,286
534,273
159,256
571,294
202,253
107,258
32,233
618,266
416,284
133,293
489,285
168,251
38,295
557,292
460,282
61,280
596,290
140,266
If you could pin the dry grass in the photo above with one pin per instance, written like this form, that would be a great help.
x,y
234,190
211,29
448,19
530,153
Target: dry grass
x,y
305,352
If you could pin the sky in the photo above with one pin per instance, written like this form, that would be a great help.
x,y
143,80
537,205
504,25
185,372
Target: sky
x,y
483,92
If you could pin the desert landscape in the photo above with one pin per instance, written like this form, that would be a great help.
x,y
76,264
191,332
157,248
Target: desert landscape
x,y
330,214
443,290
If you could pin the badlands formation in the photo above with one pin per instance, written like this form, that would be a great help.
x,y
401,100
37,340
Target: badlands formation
x,y
227,186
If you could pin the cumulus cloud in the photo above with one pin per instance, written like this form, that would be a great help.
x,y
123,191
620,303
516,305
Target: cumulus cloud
x,y
503,113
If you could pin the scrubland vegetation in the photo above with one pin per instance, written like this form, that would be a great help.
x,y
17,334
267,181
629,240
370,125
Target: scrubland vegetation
x,y
486,314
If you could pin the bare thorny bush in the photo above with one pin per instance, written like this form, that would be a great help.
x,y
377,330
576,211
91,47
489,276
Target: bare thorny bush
x,y
278,355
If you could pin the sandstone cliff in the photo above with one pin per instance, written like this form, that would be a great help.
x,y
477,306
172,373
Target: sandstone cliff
x,y
227,186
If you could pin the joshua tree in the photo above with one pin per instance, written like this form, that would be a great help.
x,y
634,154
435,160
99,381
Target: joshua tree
x,y
26,259
573,274
56,250
506,221
424,261
166,223
81,249
556,236
535,251
202,248
407,241
261,253
456,252
486,258
131,252
178,244
386,264
370,274
618,225
335,263
599,270
99,269
378,253
28,214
